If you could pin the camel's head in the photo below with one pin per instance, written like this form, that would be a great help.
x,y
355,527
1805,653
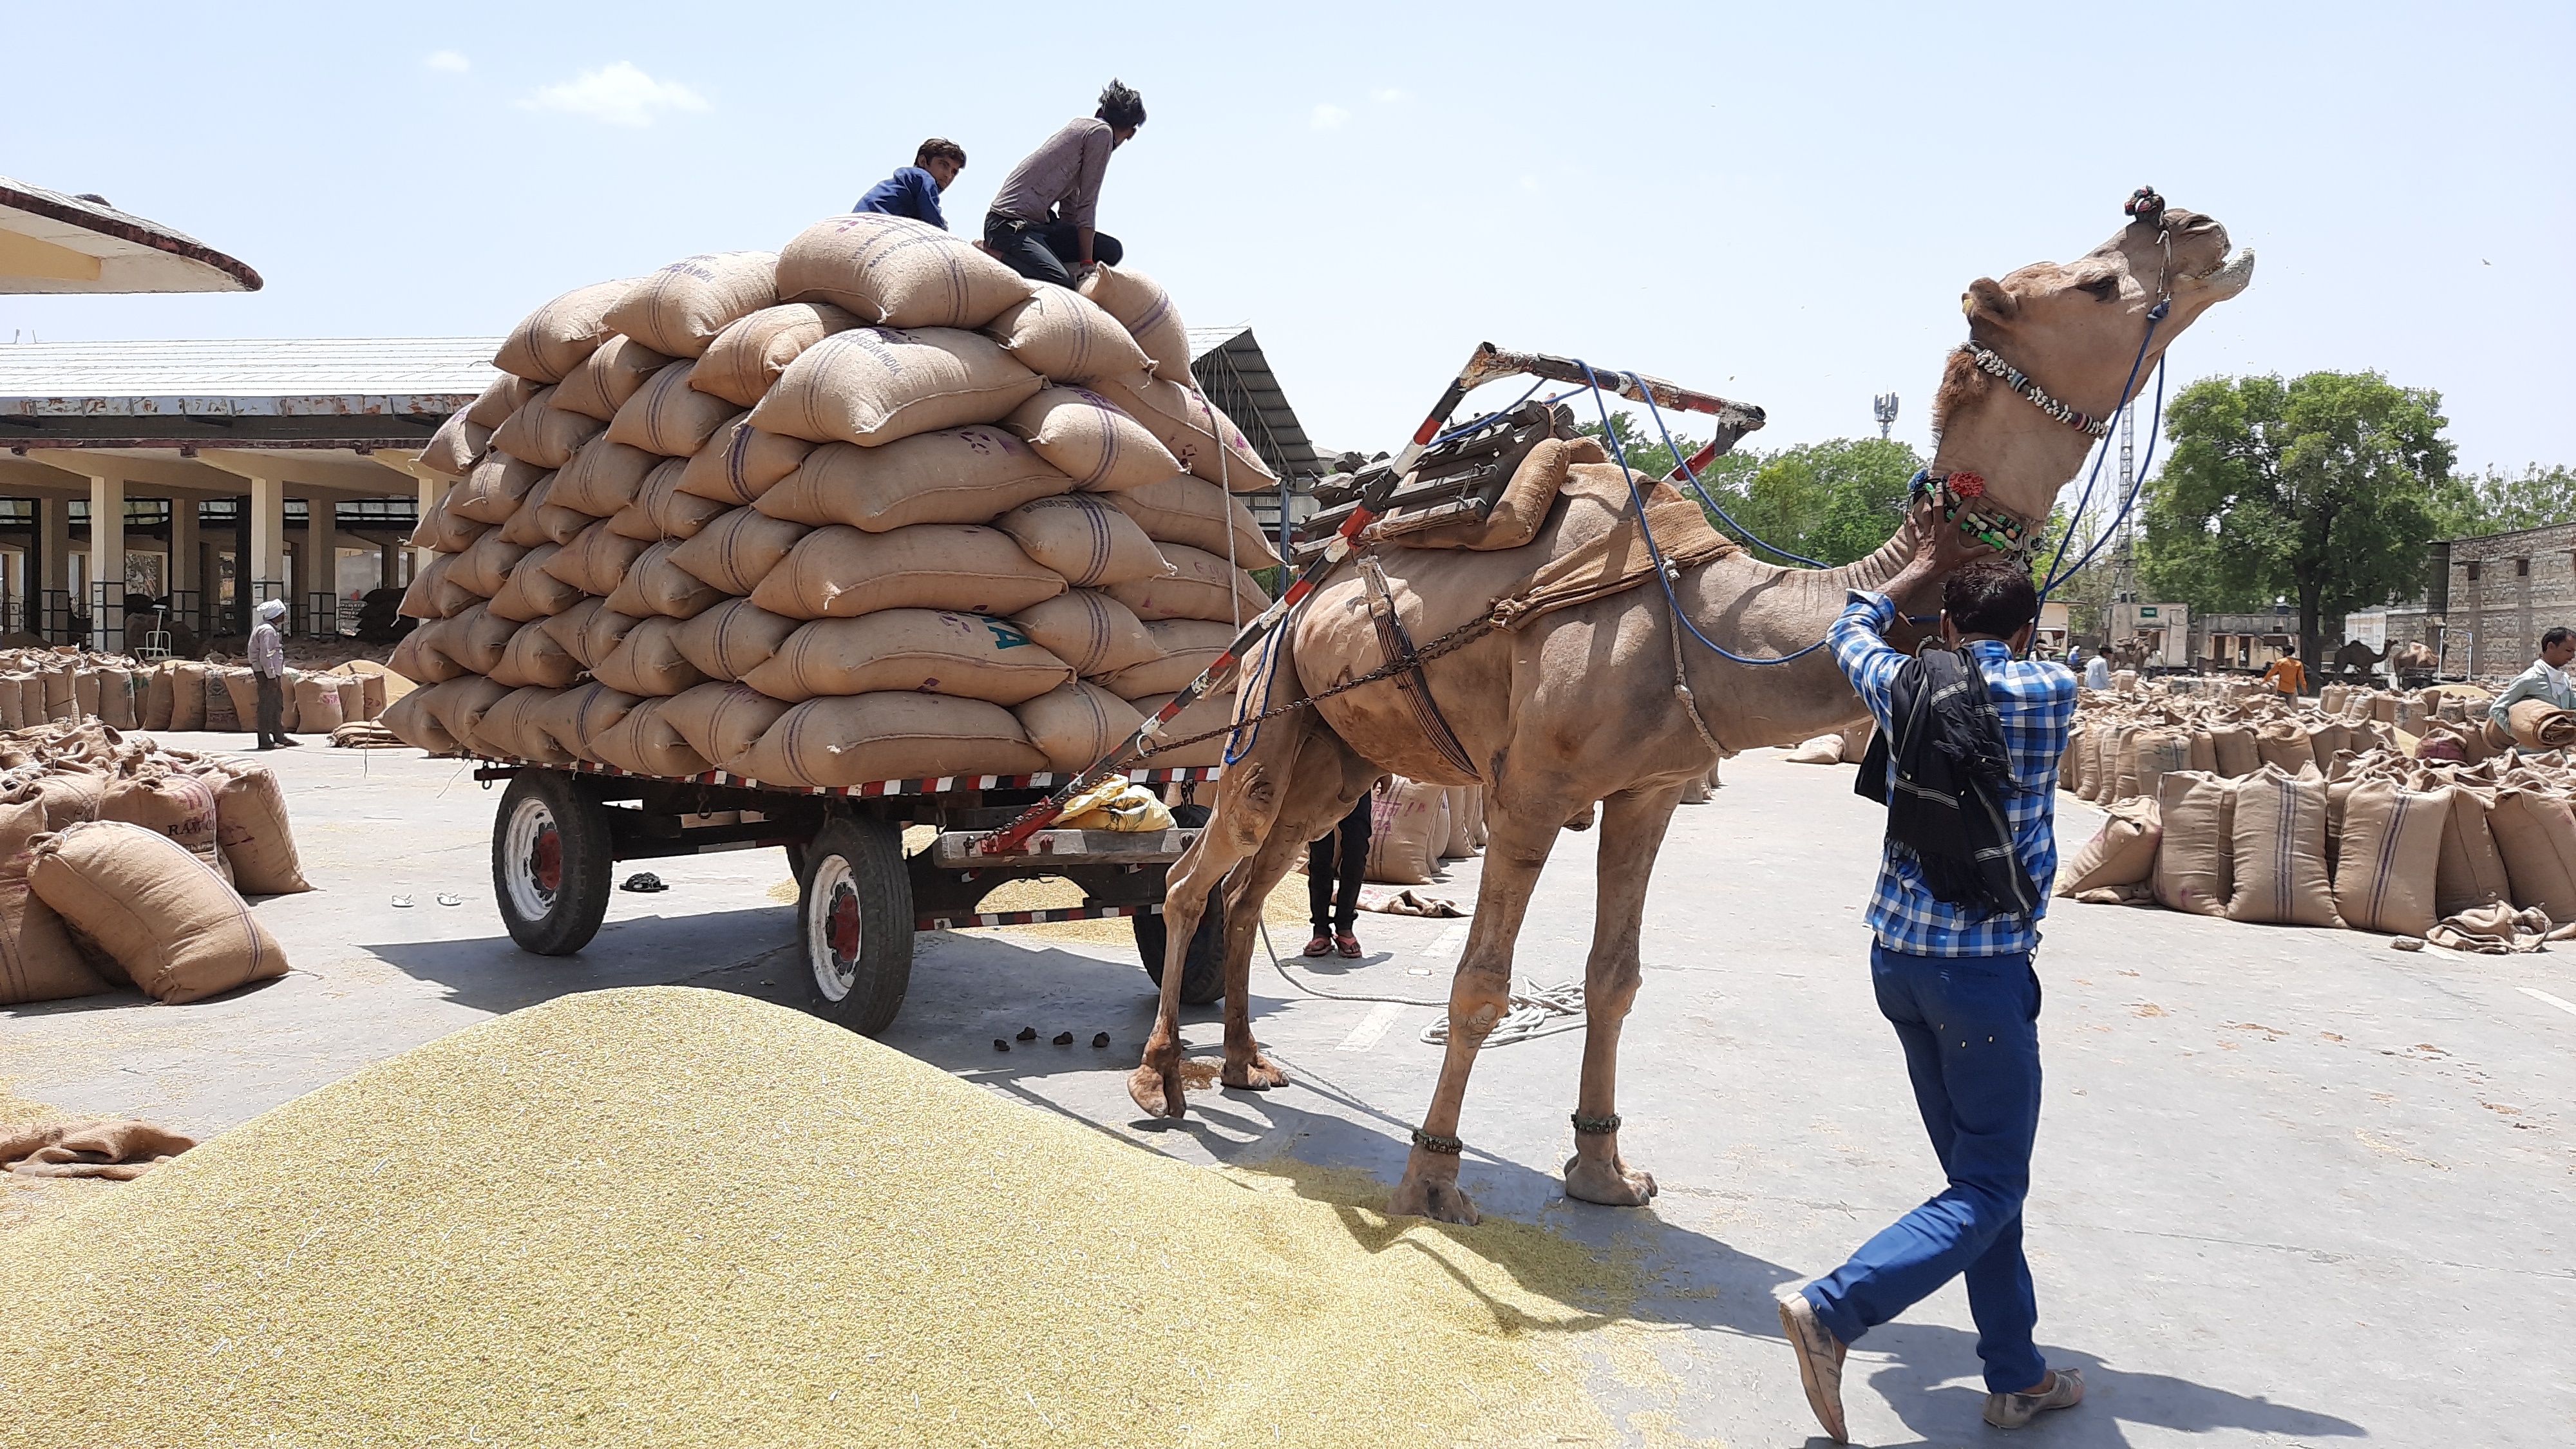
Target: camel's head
x,y
2074,328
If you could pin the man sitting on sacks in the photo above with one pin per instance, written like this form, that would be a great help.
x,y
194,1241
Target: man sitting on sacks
x,y
2546,680
913,190
1040,224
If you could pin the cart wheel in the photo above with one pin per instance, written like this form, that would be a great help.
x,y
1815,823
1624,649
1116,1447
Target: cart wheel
x,y
1203,970
854,919
551,861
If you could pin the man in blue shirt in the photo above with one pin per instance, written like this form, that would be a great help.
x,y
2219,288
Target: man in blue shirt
x,y
914,190
1956,982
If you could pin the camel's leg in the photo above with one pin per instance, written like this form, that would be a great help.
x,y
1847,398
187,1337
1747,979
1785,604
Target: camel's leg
x,y
1329,780
1515,851
1248,799
1632,830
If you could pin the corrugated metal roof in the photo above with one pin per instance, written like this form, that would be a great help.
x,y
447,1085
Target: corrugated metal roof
x,y
135,254
290,377
1230,367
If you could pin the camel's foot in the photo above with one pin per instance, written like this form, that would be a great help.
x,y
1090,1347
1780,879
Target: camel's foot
x,y
1607,1181
1256,1073
1438,1198
1157,1092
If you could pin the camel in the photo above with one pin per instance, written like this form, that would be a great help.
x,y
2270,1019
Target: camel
x,y
2357,659
1581,707
2416,660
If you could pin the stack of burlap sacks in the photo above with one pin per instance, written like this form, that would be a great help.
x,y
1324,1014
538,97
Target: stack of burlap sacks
x,y
2374,811
66,685
124,862
1414,826
875,507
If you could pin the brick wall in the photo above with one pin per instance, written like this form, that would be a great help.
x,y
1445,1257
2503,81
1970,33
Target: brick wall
x,y
2505,589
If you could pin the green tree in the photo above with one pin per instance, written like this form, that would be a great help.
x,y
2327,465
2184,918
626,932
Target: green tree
x,y
2495,502
2320,488
1833,501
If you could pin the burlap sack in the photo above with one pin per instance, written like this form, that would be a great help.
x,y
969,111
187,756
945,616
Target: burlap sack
x,y
1067,337
2151,755
475,639
239,689
1189,646
2195,858
1183,509
645,743
2284,745
443,529
456,447
491,493
741,462
733,638
429,595
85,694
603,477
681,308
1214,712
2201,752
1075,724
1821,750
116,698
2536,835
1090,631
2277,851
554,339
669,417
648,662
539,521
1462,809
2072,762
745,358
181,807
658,585
499,398
2122,852
459,706
1142,307
838,572
412,722
1081,537
2471,872
722,721
418,658
2388,857
13,702
37,959
71,792
2537,725
845,740
317,706
590,630
160,701
579,715
608,377
1409,823
953,475
929,650
1095,444
1201,587
2238,753
485,567
353,698
877,384
2331,698
734,553
893,271
596,560
542,433
662,511
536,657
532,591
187,695
510,731
1194,429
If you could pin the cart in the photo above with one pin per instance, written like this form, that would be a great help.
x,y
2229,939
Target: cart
x,y
861,896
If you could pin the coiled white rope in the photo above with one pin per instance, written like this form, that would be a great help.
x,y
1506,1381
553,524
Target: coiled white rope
x,y
1532,1014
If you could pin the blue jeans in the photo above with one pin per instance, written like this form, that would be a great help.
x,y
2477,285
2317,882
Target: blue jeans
x,y
1970,1028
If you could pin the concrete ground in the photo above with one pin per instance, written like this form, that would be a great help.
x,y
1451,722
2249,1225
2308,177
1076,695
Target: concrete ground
x,y
2292,1187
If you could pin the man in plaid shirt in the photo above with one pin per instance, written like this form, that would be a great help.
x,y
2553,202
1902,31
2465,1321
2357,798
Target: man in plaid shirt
x,y
1956,982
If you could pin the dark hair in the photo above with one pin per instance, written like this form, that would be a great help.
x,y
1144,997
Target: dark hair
x,y
1122,108
939,148
1990,596
2556,637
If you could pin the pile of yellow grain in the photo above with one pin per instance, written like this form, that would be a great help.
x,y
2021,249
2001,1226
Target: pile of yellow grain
x,y
670,1216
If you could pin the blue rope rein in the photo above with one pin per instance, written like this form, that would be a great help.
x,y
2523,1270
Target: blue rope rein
x,y
2128,399
2155,425
1705,501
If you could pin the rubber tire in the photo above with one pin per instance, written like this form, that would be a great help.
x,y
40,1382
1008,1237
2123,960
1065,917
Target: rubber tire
x,y
1203,970
589,860
872,851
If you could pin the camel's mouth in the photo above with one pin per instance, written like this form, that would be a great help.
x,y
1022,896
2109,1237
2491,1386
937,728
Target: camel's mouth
x,y
2230,276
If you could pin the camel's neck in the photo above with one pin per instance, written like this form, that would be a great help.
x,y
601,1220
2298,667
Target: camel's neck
x,y
2024,455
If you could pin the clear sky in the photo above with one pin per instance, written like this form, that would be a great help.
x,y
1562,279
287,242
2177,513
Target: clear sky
x,y
1777,202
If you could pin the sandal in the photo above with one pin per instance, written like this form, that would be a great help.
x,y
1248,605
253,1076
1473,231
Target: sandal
x,y
1347,944
1322,945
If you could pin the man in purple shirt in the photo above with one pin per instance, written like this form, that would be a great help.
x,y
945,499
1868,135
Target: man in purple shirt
x,y
1041,222
914,190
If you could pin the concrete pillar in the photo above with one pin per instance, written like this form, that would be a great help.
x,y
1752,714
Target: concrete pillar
x,y
54,542
267,563
321,571
106,601
432,489
184,565
389,563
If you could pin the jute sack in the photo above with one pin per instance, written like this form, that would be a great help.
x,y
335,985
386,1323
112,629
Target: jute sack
x,y
722,721
669,417
116,698
1188,645
353,698
648,662
2195,859
877,384
658,585
173,925
645,743
1408,825
553,340
1214,712
2201,750
734,553
1462,810
1201,587
445,530
733,638
2536,835
317,706
1067,337
682,307
603,477
741,462
509,732
2277,851
852,739
416,657
2388,858
608,377
663,511
580,714
953,475
160,700
542,433
590,631
745,358
485,567
838,572
499,398
539,521
456,447
13,701
929,650
2537,725
596,560
2122,852
533,592
181,807
85,694
1091,632
1095,444
1081,537
2071,761
239,688
1183,509
2124,761
37,959
1194,429
536,657
1142,307
1075,724
1821,750
71,794
412,722
893,271
2471,872
2238,752
187,695
2326,740
459,706
476,639
491,493
2153,754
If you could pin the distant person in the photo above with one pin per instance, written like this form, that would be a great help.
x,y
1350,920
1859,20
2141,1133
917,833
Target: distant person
x,y
2287,674
2545,680
2097,674
268,672
914,190
1041,222
1334,866
2075,657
